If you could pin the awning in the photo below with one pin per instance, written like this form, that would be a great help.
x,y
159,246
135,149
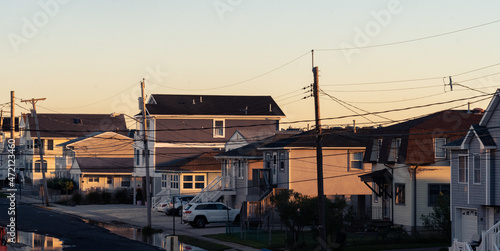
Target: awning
x,y
380,178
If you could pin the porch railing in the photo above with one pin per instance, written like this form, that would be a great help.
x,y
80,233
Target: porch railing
x,y
460,246
211,192
490,240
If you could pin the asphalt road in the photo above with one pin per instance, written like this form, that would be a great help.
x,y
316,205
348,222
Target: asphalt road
x,y
75,234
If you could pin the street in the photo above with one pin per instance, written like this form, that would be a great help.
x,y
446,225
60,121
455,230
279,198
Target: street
x,y
75,234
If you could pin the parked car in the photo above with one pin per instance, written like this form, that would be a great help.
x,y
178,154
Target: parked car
x,y
162,204
180,202
200,214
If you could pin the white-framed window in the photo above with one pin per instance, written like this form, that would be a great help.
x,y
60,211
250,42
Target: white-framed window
x,y
463,168
400,194
240,166
268,161
219,128
376,188
164,181
394,153
376,148
93,179
137,157
439,151
193,181
282,162
50,144
174,181
356,160
477,169
125,181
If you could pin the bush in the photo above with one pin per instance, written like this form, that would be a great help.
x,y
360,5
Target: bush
x,y
123,196
105,197
93,197
64,185
76,197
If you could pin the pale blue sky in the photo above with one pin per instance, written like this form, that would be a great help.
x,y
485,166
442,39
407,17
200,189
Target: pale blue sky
x,y
86,56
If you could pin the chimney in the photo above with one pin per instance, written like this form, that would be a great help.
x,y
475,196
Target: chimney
x,y
270,108
468,107
201,99
194,103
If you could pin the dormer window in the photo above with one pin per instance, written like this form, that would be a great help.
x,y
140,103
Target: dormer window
x,y
77,121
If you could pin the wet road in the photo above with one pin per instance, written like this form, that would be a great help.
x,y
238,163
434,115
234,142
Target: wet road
x,y
75,234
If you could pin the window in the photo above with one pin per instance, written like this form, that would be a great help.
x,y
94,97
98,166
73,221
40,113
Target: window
x,y
37,144
50,144
463,169
241,169
136,155
282,162
109,180
188,182
193,181
164,181
395,145
93,179
376,188
39,167
377,146
356,160
268,161
199,181
439,151
218,128
477,169
125,181
174,181
436,191
400,194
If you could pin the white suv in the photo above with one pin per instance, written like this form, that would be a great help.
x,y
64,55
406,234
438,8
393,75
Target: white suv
x,y
200,214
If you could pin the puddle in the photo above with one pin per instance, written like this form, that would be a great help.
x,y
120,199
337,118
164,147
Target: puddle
x,y
158,240
37,242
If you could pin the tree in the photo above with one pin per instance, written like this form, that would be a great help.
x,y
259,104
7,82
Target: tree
x,y
439,219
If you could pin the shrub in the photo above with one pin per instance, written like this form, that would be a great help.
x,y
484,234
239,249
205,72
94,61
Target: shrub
x,y
64,185
93,197
123,196
105,197
76,197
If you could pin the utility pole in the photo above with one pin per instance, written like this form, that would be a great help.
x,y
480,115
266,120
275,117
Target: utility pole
x,y
40,147
319,164
146,153
13,137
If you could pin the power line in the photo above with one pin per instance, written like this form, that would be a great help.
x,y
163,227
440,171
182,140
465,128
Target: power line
x,y
412,40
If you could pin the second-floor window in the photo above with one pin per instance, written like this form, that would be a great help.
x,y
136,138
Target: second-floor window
x,y
400,194
39,167
218,128
174,181
356,160
164,181
282,162
477,169
50,144
439,151
463,168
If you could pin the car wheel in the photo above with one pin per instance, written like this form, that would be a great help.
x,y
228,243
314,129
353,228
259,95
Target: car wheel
x,y
200,222
179,211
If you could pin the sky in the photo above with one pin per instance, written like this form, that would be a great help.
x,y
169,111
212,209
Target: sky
x,y
373,56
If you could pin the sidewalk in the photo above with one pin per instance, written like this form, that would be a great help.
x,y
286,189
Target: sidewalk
x,y
126,215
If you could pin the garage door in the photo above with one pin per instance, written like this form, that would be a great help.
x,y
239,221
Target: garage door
x,y
469,224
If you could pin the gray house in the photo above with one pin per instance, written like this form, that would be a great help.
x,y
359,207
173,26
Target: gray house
x,y
475,181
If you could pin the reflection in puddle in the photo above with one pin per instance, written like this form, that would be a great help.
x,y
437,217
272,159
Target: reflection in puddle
x,y
158,240
39,242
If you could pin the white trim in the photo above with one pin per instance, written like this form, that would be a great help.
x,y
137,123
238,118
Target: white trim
x,y
189,145
488,112
214,128
310,148
487,158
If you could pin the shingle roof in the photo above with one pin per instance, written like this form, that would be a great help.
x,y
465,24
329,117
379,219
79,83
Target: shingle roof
x,y
213,105
201,162
331,138
76,125
106,165
484,135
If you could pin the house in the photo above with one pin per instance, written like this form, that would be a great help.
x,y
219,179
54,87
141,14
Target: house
x,y
242,166
475,179
56,129
100,160
410,167
290,163
183,128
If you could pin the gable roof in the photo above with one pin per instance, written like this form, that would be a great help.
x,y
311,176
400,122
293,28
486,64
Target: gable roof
x,y
252,150
76,125
482,134
491,108
99,135
105,165
167,104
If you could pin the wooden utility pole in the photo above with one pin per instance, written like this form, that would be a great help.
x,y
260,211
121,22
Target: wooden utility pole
x,y
41,149
146,153
319,164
